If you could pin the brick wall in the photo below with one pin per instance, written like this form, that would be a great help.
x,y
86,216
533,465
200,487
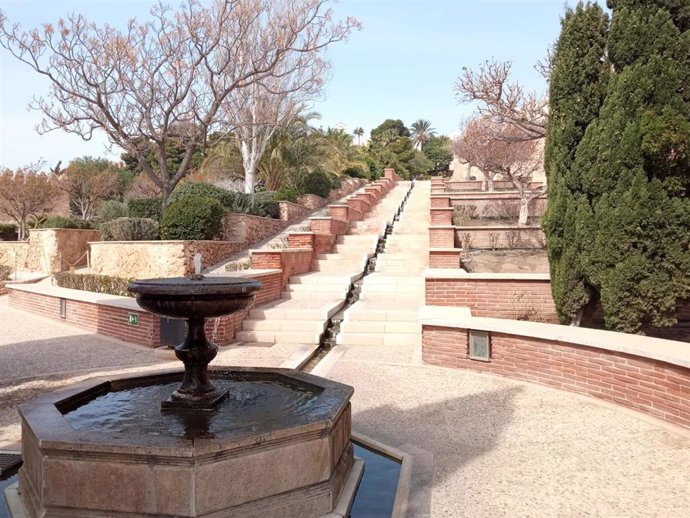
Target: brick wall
x,y
473,238
113,321
441,216
651,386
442,237
290,261
438,202
444,258
98,318
498,205
528,299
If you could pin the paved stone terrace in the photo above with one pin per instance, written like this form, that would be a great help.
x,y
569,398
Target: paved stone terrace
x,y
485,446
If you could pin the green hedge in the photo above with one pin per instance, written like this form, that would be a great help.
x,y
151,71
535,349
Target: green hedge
x,y
261,204
317,182
94,283
193,218
63,222
5,272
8,232
151,208
130,229
287,193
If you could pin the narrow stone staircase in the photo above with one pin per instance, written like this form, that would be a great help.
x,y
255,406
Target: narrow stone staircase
x,y
390,298
311,299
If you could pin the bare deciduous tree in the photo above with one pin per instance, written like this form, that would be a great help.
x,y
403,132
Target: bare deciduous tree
x,y
514,159
89,181
26,193
172,72
473,148
504,101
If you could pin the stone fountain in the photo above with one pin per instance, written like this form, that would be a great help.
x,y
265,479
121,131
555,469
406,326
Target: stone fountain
x,y
241,442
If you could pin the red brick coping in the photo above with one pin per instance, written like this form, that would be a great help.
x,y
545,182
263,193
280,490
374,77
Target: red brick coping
x,y
649,375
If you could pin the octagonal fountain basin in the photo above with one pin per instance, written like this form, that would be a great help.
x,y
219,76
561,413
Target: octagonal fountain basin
x,y
278,445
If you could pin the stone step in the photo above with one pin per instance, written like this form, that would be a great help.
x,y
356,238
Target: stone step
x,y
314,309
304,326
399,315
355,255
374,326
379,339
324,279
382,279
295,337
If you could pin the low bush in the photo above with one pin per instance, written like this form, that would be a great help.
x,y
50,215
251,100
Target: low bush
x,y
112,209
8,232
130,229
5,272
193,218
354,172
287,193
462,214
261,204
317,182
63,222
94,283
151,208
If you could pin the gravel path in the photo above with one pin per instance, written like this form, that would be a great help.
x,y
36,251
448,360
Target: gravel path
x,y
501,448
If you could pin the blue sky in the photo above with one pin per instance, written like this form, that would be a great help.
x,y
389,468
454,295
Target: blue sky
x,y
402,64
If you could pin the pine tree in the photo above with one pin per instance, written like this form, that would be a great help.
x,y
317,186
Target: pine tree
x,y
634,167
577,86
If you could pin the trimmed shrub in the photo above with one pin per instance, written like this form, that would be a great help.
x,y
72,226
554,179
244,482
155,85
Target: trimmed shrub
x,y
193,218
112,209
195,190
94,283
336,182
62,222
354,172
8,232
151,208
5,272
130,229
262,204
286,193
317,182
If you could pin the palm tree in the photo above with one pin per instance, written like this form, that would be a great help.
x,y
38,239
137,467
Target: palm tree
x,y
358,132
421,133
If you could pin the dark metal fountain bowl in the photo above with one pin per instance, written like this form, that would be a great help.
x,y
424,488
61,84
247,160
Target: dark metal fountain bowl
x,y
204,297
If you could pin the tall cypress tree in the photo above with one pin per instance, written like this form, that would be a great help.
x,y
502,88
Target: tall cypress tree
x,y
634,167
578,82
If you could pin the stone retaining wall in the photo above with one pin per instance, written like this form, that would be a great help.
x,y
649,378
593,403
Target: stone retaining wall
x,y
48,250
291,212
248,229
146,259
644,374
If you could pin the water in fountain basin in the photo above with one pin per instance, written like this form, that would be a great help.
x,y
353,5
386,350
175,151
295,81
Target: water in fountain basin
x,y
250,405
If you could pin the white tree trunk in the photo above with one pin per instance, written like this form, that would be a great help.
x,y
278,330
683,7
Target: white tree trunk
x,y
490,184
524,210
